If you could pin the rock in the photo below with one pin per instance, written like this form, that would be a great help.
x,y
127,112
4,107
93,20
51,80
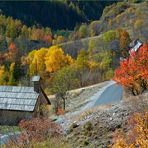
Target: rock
x,y
74,125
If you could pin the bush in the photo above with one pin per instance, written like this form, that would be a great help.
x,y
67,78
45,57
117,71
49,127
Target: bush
x,y
109,36
137,134
88,126
37,130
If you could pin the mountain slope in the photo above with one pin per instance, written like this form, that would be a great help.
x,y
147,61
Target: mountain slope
x,y
61,14
129,16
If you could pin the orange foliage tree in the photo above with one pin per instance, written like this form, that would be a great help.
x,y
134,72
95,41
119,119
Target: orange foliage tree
x,y
137,134
133,71
124,41
12,52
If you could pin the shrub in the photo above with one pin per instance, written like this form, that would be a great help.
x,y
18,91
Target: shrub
x,y
88,126
137,134
109,36
37,130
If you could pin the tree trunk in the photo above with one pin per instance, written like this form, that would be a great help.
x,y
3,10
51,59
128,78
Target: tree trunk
x,y
64,105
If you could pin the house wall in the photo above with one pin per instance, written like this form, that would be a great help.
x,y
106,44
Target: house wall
x,y
42,108
13,117
42,99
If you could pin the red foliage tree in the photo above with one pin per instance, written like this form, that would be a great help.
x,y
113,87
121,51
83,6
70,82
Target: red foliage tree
x,y
12,52
133,71
47,38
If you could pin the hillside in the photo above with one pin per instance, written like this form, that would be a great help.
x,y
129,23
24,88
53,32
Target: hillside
x,y
126,15
60,14
74,74
134,16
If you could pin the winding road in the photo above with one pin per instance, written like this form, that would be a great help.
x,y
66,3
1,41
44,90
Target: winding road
x,y
111,94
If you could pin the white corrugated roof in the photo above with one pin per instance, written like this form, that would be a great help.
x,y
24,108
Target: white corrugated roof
x,y
35,78
18,98
136,47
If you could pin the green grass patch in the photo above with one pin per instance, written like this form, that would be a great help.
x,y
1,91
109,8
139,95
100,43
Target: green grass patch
x,y
9,129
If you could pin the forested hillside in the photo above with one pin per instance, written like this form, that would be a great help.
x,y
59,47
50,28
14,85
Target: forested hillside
x,y
126,15
59,14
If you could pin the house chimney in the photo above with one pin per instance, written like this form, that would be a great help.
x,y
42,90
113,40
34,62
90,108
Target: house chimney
x,y
36,83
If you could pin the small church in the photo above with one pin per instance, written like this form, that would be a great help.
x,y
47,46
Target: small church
x,y
19,102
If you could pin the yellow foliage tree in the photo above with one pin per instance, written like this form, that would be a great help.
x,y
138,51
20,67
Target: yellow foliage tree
x,y
2,72
82,59
11,74
137,135
36,61
39,61
55,59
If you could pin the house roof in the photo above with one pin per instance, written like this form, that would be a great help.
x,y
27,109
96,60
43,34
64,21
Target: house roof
x,y
135,45
35,78
18,98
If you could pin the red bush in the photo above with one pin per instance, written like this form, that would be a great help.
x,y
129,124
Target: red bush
x,y
37,130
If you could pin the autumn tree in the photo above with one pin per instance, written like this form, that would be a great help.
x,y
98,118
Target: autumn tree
x,y
36,33
109,36
133,71
94,28
63,80
105,65
25,32
36,61
82,64
59,39
11,30
82,32
11,76
91,46
12,52
47,38
136,135
2,72
124,41
82,59
55,59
